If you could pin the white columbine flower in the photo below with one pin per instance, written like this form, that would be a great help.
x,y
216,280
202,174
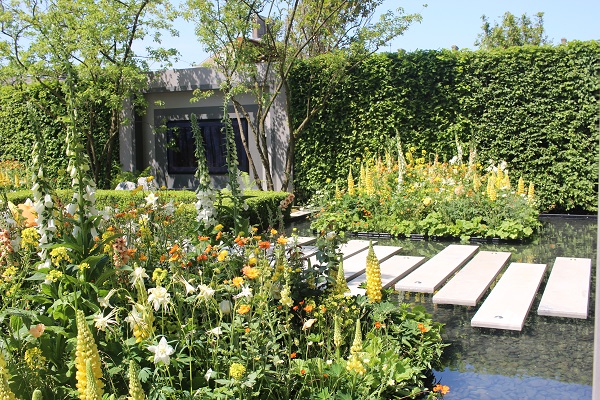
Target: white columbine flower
x,y
105,301
102,322
151,200
215,331
205,292
159,296
138,275
162,352
246,292
309,323
208,374
188,287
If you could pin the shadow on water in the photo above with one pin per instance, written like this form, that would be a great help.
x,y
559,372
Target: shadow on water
x,y
551,358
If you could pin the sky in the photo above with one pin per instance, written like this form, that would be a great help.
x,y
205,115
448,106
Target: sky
x,y
448,22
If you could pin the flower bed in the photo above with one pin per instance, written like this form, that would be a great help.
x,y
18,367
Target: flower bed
x,y
126,304
410,195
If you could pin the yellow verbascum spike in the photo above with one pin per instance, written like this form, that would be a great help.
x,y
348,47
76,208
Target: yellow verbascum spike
x,y
86,350
530,192
373,273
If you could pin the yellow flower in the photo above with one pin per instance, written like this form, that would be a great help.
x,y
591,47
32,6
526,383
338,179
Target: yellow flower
x,y
237,281
60,254
237,371
357,344
426,201
54,275
373,273
282,240
159,275
87,352
34,358
251,273
218,228
135,387
273,231
243,309
222,255
29,238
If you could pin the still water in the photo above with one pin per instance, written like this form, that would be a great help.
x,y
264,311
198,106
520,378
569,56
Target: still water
x,y
551,358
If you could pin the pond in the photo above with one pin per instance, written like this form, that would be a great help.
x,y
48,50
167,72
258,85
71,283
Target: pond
x,y
551,358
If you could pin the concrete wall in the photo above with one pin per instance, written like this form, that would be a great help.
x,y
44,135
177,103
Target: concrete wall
x,y
169,97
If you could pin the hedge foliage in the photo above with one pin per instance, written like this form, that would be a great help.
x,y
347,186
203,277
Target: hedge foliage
x,y
534,107
263,207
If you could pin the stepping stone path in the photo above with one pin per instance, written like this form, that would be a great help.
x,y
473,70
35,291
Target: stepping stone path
x,y
507,304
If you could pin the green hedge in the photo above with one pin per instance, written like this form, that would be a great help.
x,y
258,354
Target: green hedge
x,y
262,206
533,107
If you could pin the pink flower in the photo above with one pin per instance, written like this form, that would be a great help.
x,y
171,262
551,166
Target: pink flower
x,y
37,330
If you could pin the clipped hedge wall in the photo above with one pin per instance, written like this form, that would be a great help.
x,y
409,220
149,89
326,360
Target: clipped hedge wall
x,y
534,107
262,206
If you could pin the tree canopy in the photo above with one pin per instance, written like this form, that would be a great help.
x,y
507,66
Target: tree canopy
x,y
512,31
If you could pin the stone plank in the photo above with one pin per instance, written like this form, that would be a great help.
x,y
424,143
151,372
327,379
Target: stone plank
x,y
356,264
348,249
392,269
433,273
568,289
470,283
508,304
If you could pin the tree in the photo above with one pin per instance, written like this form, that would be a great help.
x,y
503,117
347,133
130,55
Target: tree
x,y
293,30
512,32
87,46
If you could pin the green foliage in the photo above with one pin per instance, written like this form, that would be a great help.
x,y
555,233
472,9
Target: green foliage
x,y
512,32
533,107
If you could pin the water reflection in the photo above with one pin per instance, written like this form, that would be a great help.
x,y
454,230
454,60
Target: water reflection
x,y
551,358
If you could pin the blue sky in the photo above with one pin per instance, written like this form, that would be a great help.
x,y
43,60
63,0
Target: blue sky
x,y
451,22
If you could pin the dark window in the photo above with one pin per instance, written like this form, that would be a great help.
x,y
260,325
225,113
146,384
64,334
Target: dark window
x,y
182,147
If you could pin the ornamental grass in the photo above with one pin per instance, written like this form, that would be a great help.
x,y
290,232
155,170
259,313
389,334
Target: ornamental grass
x,y
415,193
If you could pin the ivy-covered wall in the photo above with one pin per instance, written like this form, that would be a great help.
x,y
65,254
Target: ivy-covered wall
x,y
534,107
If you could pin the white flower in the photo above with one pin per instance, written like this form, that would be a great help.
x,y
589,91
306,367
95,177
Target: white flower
x,y
151,200
205,292
246,292
135,317
169,208
329,362
215,331
208,374
225,307
102,322
159,296
162,351
188,288
138,275
309,323
105,301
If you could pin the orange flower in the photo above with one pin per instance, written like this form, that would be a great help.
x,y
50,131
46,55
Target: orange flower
x,y
163,258
282,240
219,235
377,324
237,281
202,257
422,328
308,308
247,330
273,231
251,273
203,238
243,309
323,309
303,371
293,355
143,257
240,241
443,389
264,245
174,249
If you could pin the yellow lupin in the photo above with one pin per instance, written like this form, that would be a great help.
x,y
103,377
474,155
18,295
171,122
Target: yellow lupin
x,y
530,192
5,392
521,186
135,387
351,189
86,350
357,344
373,272
92,391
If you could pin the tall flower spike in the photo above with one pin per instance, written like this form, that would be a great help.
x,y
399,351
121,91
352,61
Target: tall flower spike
x,y
499,179
351,188
530,192
86,350
357,344
373,272
92,391
5,392
341,286
338,192
135,387
521,186
337,332
37,395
